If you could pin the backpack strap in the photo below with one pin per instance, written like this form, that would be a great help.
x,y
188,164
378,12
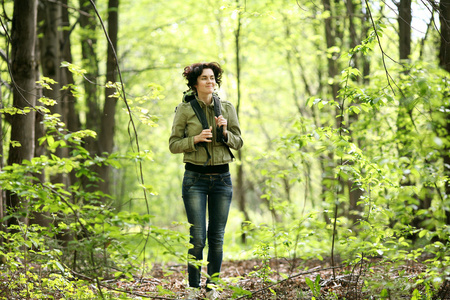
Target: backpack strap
x,y
202,118
218,112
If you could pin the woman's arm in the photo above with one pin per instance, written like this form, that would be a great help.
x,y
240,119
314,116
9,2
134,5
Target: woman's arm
x,y
233,139
178,142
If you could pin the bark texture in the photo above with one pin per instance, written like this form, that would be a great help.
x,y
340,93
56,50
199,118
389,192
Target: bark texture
x,y
444,62
23,72
108,123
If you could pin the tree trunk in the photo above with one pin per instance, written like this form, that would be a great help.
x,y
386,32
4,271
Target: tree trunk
x,y
23,40
404,28
354,193
330,37
405,126
444,62
331,32
90,64
365,58
2,192
240,167
106,138
72,118
69,109
49,16
39,131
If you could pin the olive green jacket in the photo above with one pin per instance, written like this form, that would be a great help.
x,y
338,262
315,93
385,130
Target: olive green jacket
x,y
186,125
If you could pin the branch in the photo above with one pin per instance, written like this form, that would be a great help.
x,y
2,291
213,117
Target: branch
x,y
388,76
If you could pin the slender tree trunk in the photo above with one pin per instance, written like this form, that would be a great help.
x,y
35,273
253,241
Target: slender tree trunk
x,y
350,6
330,37
90,64
2,192
405,127
331,32
39,131
70,111
404,28
69,108
365,58
444,62
23,40
106,138
240,167
354,193
49,17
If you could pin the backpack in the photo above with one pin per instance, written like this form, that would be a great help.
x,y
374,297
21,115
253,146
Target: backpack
x,y
189,96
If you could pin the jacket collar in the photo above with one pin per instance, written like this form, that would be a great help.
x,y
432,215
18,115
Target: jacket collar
x,y
203,104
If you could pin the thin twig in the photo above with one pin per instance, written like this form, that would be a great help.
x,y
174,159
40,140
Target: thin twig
x,y
383,54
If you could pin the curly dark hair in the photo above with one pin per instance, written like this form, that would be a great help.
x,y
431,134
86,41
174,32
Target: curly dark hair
x,y
192,72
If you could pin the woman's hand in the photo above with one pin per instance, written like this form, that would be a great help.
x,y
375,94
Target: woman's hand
x,y
222,122
204,136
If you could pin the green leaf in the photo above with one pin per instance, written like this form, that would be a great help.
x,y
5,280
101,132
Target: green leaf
x,y
50,141
118,274
58,264
310,283
365,107
310,102
422,233
384,293
356,109
15,144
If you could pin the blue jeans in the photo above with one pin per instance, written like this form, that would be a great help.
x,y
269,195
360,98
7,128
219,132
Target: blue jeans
x,y
201,192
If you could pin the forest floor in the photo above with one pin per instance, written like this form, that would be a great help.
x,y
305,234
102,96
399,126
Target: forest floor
x,y
288,279
275,279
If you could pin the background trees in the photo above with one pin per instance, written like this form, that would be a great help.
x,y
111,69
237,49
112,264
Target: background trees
x,y
343,105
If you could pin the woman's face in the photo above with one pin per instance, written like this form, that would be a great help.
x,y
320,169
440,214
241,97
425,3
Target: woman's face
x,y
206,82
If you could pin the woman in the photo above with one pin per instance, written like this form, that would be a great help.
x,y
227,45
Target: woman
x,y
207,182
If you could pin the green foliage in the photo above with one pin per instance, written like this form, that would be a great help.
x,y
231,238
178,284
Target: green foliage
x,y
264,271
100,239
305,153
314,286
35,270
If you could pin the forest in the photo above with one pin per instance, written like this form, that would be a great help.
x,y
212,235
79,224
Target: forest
x,y
342,187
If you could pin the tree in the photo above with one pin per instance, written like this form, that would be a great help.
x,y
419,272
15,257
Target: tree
x,y
107,127
404,26
90,61
444,62
23,73
49,15
70,111
240,168
354,192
